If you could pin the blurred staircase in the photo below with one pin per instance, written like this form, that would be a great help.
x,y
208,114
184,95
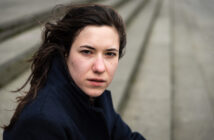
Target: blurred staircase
x,y
163,87
19,42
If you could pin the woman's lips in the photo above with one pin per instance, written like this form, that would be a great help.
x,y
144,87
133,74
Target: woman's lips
x,y
96,82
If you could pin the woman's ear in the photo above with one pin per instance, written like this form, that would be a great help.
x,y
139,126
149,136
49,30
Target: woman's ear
x,y
66,57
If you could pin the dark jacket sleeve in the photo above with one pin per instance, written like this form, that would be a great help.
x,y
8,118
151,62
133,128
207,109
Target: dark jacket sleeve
x,y
38,128
122,131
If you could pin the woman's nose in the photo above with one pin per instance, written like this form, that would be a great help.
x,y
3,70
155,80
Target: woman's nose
x,y
99,65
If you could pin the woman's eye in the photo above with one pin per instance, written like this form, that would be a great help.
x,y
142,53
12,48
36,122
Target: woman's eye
x,y
111,54
86,52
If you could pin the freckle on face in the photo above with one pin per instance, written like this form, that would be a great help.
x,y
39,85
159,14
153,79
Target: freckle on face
x,y
82,66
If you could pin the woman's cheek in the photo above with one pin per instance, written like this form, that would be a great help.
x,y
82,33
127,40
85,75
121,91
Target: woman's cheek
x,y
74,67
81,66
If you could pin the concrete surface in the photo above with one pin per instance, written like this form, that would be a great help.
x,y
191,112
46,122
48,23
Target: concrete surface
x,y
148,108
193,114
172,95
26,8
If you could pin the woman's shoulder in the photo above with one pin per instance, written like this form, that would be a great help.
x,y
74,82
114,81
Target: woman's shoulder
x,y
39,122
45,106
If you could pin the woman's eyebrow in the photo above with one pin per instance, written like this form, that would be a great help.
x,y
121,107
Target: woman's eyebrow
x,y
88,47
112,49
92,48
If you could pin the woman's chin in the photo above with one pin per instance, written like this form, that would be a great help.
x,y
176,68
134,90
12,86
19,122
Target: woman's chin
x,y
94,92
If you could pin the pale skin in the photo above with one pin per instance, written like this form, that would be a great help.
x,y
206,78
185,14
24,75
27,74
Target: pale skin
x,y
93,58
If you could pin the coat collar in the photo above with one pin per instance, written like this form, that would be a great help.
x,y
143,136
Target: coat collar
x,y
59,77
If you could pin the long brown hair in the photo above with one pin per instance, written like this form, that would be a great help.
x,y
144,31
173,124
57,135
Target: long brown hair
x,y
57,39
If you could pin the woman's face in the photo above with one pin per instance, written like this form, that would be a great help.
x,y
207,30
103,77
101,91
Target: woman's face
x,y
93,58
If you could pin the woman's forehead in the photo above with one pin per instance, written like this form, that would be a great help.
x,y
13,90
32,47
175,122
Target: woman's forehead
x,y
102,36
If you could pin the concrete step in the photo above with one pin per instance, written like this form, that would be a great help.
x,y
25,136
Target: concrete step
x,y
148,109
193,114
172,97
17,17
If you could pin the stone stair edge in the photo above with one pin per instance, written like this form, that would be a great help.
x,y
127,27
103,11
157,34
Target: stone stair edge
x,y
13,27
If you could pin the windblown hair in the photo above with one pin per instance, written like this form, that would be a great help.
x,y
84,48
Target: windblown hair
x,y
58,37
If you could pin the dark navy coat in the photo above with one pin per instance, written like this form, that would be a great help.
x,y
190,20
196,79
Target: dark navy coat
x,y
61,111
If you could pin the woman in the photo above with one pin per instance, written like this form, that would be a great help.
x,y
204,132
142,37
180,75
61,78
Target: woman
x,y
67,99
